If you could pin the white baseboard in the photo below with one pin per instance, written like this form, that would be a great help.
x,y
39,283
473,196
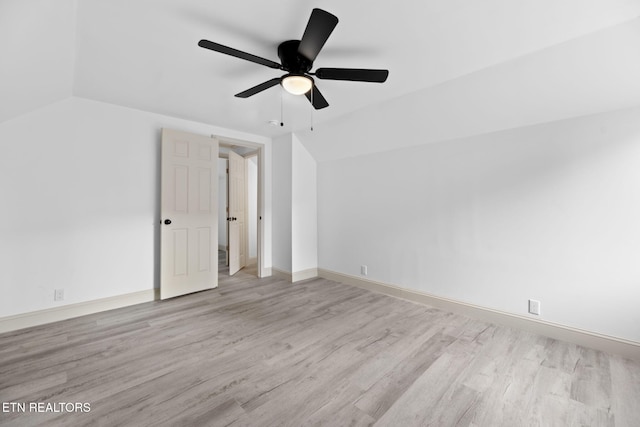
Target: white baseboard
x,y
608,344
266,272
295,276
304,274
55,314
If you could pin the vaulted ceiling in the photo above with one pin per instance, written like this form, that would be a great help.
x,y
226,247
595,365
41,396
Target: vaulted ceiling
x,y
491,64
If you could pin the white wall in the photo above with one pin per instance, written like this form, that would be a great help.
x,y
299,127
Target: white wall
x,y
282,155
295,221
304,204
548,212
79,182
222,202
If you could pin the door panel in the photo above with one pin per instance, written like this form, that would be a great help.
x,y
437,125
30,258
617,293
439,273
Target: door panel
x,y
189,232
237,201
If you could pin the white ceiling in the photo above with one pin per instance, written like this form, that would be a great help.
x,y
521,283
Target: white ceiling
x,y
450,56
591,74
37,53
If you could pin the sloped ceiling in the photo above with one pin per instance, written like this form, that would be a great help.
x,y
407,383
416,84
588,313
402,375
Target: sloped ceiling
x,y
472,66
587,75
37,52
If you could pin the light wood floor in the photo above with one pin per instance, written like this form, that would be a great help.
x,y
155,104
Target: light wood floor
x,y
262,352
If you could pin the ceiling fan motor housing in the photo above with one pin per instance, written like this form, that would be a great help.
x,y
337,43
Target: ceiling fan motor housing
x,y
291,60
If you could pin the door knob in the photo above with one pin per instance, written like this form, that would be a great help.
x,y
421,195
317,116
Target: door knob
x,y
167,221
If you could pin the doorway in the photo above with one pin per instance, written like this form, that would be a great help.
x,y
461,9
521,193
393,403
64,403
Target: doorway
x,y
238,204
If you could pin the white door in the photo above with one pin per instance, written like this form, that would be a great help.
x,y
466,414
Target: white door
x,y
236,218
189,214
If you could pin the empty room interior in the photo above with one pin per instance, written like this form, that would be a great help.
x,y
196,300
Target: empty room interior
x,y
286,213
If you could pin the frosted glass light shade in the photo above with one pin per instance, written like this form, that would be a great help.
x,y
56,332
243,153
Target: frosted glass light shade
x,y
297,85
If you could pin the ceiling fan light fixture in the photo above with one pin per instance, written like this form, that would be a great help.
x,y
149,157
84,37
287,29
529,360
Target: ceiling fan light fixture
x,y
297,84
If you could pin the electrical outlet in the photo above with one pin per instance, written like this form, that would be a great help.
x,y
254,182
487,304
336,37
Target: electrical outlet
x,y
363,270
534,307
58,295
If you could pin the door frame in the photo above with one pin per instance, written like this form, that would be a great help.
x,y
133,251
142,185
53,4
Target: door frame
x,y
260,153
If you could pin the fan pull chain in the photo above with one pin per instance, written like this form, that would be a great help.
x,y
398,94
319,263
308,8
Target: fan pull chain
x,y
281,109
312,108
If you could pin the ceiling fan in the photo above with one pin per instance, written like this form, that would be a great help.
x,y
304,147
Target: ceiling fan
x,y
297,56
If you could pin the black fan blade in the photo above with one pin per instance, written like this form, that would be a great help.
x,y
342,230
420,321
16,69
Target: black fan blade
x,y
317,100
353,74
259,88
237,53
319,28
